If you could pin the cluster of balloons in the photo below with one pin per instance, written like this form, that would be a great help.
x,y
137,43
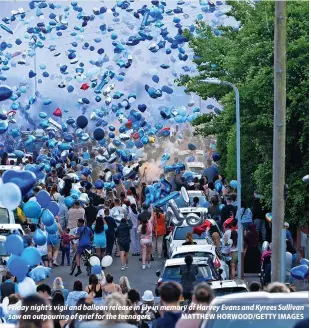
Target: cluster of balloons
x,y
159,193
21,259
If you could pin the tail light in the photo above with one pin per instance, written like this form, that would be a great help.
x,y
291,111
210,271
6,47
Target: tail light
x,y
217,263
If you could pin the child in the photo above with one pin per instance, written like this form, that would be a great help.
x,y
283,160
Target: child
x,y
66,239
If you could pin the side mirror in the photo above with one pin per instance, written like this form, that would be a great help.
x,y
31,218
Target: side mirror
x,y
158,273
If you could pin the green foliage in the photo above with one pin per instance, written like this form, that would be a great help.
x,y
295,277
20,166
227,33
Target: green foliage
x,y
245,58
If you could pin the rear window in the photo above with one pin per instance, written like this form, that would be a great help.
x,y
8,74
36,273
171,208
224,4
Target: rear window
x,y
181,232
229,290
173,273
196,170
202,201
5,233
194,254
4,216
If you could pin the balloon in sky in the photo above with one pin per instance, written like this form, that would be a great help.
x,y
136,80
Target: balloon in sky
x,y
5,92
82,122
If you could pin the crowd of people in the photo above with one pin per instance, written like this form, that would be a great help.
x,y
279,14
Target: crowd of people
x,y
117,221
149,310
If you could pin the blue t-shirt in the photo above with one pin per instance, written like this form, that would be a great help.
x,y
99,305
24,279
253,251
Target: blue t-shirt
x,y
288,235
85,234
100,238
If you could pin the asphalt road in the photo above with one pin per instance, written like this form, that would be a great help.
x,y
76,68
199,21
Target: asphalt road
x,y
138,278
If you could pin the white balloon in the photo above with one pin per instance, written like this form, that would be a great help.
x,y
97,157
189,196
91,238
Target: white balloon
x,y
107,261
94,260
27,287
10,196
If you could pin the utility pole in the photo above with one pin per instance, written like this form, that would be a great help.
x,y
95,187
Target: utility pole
x,y
279,130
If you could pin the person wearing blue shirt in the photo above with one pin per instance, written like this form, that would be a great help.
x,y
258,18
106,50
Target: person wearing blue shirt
x,y
210,172
99,227
8,287
84,236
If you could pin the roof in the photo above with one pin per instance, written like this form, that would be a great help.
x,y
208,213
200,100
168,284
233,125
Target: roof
x,y
195,193
181,261
228,283
11,167
10,226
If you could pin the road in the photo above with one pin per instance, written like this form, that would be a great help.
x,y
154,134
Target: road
x,y
138,278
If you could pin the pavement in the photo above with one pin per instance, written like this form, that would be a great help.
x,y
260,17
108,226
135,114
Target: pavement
x,y
138,278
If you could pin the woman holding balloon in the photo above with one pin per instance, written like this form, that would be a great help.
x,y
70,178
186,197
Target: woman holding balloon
x,y
54,242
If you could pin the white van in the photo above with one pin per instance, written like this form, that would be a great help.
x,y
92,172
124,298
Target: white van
x,y
6,216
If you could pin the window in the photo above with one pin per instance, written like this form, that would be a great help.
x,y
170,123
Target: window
x,y
173,273
194,254
3,252
181,232
4,216
202,201
229,290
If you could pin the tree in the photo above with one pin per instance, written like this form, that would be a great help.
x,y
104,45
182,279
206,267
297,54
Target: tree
x,y
245,57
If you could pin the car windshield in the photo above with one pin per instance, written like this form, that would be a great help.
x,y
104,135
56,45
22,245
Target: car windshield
x,y
202,201
229,290
194,254
5,232
4,216
173,273
181,232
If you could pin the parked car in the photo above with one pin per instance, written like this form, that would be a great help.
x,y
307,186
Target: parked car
x,y
6,216
203,251
227,287
171,270
278,304
5,231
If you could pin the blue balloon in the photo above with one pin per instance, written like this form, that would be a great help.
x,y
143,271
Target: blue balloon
x,y
304,262
5,92
300,272
192,147
82,121
39,237
14,244
18,267
218,186
216,156
39,273
47,217
32,256
43,198
96,269
32,209
155,78
52,229
99,184
233,184
69,201
3,127
53,207
99,134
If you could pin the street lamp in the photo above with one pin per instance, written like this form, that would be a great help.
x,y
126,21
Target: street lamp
x,y
238,163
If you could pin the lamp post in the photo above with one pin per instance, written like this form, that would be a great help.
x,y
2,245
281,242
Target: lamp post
x,y
238,163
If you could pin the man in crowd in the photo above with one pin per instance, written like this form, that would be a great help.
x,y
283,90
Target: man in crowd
x,y
170,293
